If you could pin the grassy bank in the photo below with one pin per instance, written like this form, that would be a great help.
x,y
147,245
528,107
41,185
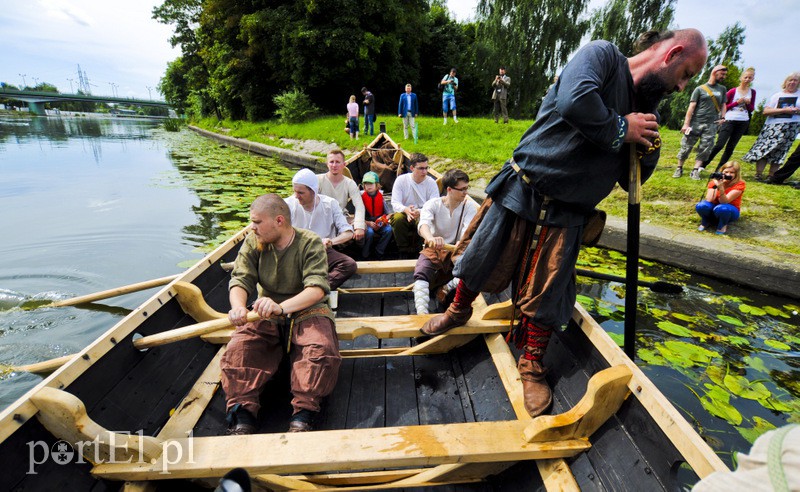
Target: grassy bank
x,y
770,214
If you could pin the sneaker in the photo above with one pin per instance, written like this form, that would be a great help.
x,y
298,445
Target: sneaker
x,y
455,120
678,172
759,177
695,174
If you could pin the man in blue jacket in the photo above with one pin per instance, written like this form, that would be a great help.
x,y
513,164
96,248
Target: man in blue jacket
x,y
408,109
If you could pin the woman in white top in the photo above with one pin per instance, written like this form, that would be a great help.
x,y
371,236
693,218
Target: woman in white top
x,y
780,129
352,117
740,105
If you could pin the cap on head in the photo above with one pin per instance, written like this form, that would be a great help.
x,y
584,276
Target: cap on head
x,y
308,178
371,177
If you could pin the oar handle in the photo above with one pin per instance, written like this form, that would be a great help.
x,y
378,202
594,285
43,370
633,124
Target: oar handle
x,y
190,331
447,247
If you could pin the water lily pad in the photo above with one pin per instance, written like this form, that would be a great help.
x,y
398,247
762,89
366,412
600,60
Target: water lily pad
x,y
717,402
756,363
684,317
777,344
650,357
683,354
674,329
748,309
738,341
742,387
585,301
716,374
730,320
760,426
774,404
773,311
618,338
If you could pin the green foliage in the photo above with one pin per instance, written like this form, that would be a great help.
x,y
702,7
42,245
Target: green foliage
x,y
293,106
726,48
757,119
621,21
173,124
535,39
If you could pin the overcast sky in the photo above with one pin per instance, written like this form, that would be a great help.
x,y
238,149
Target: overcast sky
x,y
117,42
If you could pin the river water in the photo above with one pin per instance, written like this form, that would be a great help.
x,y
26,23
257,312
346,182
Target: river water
x,y
90,204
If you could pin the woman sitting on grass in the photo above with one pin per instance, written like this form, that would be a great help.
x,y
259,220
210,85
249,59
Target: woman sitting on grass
x,y
723,199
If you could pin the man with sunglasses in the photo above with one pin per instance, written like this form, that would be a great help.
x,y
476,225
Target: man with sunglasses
x,y
443,220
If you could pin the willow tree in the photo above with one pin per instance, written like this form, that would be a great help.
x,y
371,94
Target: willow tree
x,y
532,38
621,21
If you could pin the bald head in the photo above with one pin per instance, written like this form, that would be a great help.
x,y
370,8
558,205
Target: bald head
x,y
272,206
668,60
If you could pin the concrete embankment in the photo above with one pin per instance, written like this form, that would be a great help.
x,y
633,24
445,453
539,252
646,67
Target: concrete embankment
x,y
723,258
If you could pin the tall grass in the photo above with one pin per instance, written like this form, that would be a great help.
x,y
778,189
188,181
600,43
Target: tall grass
x,y
770,214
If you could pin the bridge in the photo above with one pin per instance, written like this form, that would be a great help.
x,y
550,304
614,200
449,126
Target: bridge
x,y
36,99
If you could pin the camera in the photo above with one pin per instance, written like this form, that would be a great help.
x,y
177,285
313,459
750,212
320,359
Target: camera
x,y
726,177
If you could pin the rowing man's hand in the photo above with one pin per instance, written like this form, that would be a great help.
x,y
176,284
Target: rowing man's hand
x,y
642,128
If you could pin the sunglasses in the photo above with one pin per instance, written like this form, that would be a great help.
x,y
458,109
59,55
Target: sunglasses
x,y
462,190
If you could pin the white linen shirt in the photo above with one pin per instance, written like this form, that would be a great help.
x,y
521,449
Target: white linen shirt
x,y
326,219
406,192
346,190
444,224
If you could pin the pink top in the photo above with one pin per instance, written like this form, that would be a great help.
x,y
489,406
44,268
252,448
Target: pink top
x,y
352,110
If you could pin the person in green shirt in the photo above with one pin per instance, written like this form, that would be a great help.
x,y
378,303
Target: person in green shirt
x,y
286,270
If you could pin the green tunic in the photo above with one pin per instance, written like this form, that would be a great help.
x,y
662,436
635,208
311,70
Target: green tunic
x,y
281,275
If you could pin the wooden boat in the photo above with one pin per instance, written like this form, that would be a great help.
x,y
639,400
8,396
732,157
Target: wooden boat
x,y
385,157
404,414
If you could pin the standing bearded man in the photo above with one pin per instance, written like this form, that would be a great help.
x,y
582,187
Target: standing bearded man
x,y
530,227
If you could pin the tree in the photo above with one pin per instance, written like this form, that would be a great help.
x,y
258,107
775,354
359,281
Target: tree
x,y
535,37
621,21
726,48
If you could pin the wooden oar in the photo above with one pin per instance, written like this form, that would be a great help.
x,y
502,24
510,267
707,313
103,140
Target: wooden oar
x,y
117,291
658,286
632,251
176,335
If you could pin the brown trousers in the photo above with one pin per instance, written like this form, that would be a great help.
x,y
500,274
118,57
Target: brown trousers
x,y
255,352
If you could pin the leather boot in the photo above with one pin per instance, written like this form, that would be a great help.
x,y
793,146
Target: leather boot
x,y
535,390
449,319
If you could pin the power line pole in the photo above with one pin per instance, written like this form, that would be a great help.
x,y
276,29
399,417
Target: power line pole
x,y
24,83
35,81
70,85
148,92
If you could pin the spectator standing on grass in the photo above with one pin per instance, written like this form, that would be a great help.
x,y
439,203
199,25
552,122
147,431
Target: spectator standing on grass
x,y
500,86
449,86
352,117
408,109
706,111
741,103
369,111
780,129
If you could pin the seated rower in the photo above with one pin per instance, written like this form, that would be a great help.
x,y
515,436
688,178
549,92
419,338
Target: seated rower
x,y
409,194
343,189
443,220
321,214
287,267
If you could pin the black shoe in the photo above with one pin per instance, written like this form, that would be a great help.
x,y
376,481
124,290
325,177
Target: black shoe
x,y
302,421
241,429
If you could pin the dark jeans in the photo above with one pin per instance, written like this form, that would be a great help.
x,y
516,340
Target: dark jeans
x,y
791,165
730,132
369,124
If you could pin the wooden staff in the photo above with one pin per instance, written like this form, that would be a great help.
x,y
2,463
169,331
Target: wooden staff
x,y
632,262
